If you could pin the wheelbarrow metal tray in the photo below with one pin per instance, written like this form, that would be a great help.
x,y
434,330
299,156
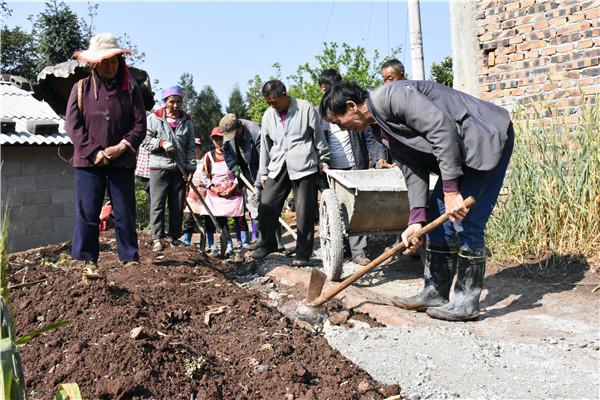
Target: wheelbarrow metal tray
x,y
373,200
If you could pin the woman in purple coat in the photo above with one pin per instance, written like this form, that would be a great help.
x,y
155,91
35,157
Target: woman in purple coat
x,y
106,122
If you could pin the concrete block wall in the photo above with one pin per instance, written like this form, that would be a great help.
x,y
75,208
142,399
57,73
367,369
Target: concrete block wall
x,y
539,52
37,186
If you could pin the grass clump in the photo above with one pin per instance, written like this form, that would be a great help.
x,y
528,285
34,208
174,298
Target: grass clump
x,y
552,206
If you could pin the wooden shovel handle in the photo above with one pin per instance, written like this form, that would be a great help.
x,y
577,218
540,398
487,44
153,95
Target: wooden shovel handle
x,y
281,220
384,256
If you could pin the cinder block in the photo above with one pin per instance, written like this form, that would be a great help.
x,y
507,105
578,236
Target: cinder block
x,y
49,211
36,197
16,183
40,226
63,196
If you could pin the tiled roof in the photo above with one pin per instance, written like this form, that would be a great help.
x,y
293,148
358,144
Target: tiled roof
x,y
20,106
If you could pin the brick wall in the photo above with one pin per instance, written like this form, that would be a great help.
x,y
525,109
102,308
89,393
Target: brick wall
x,y
539,53
39,189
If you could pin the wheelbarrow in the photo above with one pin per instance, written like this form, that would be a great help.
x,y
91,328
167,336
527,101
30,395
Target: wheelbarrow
x,y
360,202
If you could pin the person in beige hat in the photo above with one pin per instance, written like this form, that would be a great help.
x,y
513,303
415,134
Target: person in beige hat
x,y
106,122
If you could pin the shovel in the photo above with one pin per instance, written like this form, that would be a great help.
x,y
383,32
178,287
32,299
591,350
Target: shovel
x,y
281,220
224,231
314,297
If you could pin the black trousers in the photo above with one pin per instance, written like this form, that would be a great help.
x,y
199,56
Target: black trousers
x,y
305,199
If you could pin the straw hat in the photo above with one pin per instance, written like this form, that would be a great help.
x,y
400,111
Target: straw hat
x,y
102,46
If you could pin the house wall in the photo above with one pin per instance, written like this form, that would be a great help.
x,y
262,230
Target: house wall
x,y
38,187
539,52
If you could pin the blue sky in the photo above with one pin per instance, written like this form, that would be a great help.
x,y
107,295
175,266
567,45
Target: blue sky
x,y
224,43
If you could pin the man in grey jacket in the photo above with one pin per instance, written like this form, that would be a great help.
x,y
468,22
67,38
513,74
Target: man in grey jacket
x,y
431,128
293,149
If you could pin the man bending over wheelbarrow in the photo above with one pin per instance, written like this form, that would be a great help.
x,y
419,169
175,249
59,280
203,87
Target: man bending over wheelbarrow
x,y
431,128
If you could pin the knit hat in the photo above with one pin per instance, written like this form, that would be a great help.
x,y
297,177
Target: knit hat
x,y
102,46
172,91
216,132
228,125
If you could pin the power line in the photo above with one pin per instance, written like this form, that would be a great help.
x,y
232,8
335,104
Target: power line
x,y
388,28
327,26
369,27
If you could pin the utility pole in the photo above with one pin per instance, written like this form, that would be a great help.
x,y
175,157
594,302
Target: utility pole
x,y
465,48
416,40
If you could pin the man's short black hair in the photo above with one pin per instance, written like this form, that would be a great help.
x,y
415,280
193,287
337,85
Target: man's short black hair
x,y
394,63
335,99
329,77
273,87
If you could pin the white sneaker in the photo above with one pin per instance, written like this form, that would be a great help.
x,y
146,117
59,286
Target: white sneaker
x,y
157,246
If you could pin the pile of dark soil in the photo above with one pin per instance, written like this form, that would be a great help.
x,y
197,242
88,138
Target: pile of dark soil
x,y
199,335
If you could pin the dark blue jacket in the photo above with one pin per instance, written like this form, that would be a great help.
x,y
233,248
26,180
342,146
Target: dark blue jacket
x,y
248,158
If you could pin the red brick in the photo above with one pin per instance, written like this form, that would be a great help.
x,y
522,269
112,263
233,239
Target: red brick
x,y
534,89
517,92
570,28
548,51
567,83
491,58
549,86
532,54
585,44
516,57
501,59
512,6
592,14
526,3
506,50
525,28
576,17
535,44
486,37
585,82
558,21
541,25
565,48
515,40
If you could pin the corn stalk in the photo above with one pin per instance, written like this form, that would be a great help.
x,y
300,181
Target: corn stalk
x,y
553,201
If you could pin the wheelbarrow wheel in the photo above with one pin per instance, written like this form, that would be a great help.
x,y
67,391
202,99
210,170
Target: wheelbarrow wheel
x,y
331,235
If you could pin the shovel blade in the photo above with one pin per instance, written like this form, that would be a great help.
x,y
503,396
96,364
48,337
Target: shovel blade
x,y
315,286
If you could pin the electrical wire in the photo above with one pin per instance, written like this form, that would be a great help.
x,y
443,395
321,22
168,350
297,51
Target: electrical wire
x,y
388,28
327,26
369,27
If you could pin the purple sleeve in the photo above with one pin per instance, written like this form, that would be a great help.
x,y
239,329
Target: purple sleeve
x,y
138,132
450,185
75,128
417,215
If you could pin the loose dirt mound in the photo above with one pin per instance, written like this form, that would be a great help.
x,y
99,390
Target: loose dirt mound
x,y
243,349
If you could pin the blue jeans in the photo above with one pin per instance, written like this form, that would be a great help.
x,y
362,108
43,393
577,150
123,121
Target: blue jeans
x,y
485,187
90,187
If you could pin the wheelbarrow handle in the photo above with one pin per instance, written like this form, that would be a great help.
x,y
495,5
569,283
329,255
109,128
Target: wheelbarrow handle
x,y
281,220
386,254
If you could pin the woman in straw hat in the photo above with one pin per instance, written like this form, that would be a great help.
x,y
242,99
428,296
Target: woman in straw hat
x,y
106,122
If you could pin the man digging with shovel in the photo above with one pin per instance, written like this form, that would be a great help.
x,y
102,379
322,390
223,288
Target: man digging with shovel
x,y
431,128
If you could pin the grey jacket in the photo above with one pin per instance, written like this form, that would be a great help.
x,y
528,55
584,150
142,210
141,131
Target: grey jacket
x,y
182,139
300,143
438,123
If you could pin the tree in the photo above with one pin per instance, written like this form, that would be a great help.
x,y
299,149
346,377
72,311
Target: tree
x,y
351,62
206,114
58,33
237,105
190,96
19,56
442,72
256,102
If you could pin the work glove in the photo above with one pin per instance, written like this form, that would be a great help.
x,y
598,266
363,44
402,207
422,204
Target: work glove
x,y
167,146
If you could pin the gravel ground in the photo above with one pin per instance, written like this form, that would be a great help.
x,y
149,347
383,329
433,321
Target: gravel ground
x,y
449,363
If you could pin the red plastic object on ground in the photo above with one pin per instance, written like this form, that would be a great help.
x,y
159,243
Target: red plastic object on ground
x,y
105,215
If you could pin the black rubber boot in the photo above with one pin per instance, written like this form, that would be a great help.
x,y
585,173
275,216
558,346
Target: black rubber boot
x,y
440,264
469,283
